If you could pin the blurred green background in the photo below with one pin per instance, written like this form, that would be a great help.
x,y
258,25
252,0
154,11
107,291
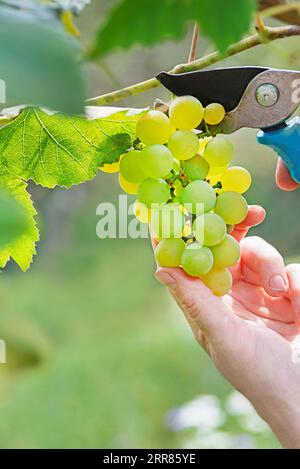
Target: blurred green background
x,y
98,354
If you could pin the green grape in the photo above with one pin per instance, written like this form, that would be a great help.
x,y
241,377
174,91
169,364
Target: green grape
x,y
183,144
203,141
227,253
177,188
232,207
141,212
209,229
176,165
153,127
110,167
218,152
216,172
230,229
186,112
153,191
167,221
196,168
187,230
169,251
128,187
198,197
197,260
214,113
156,161
218,280
130,166
236,179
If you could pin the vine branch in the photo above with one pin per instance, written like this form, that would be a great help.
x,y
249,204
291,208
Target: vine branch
x,y
247,43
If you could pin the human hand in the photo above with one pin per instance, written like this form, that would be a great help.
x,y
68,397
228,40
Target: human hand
x,y
283,178
249,333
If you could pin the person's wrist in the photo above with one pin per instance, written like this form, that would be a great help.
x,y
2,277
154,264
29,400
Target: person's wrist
x,y
283,416
286,425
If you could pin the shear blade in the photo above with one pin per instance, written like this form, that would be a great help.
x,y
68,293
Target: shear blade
x,y
225,85
236,89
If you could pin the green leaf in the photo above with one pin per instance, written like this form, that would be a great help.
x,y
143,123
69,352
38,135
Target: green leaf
x,y
62,150
152,21
145,22
13,218
39,63
21,246
223,21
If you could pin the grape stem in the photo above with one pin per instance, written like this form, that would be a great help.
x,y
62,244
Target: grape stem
x,y
194,43
271,34
260,25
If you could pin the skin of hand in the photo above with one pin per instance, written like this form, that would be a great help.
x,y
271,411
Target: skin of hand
x,y
283,177
250,334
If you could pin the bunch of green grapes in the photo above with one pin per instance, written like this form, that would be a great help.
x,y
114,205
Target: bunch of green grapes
x,y
186,190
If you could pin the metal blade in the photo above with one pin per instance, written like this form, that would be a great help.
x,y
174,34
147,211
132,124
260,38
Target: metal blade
x,y
255,97
223,85
269,100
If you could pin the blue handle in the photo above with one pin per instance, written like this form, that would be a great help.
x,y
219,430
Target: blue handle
x,y
286,142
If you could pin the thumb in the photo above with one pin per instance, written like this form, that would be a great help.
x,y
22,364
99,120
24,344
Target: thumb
x,y
283,178
201,307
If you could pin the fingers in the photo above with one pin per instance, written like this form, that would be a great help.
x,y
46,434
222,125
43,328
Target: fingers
x,y
262,265
287,330
253,298
256,215
200,306
283,178
293,273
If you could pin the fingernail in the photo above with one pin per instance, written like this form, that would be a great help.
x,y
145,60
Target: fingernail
x,y
260,209
277,283
165,279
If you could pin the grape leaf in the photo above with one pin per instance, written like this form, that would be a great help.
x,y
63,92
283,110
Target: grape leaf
x,y
152,21
147,22
64,150
13,218
39,63
21,248
222,21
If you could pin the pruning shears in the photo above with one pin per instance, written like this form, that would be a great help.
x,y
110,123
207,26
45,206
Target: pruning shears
x,y
254,97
